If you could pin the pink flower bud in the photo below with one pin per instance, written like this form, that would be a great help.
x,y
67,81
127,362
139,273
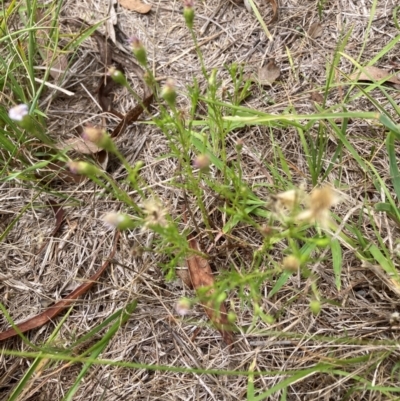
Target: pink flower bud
x,y
183,306
202,162
83,168
99,137
188,13
138,50
168,93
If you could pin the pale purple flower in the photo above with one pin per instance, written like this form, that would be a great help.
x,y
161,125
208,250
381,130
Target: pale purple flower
x,y
17,113
183,306
201,162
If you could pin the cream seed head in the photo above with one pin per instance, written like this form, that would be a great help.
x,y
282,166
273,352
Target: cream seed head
x,y
155,214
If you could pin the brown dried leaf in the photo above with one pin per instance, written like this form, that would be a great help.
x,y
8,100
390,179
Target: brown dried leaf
x,y
135,5
81,146
275,10
268,74
59,214
201,276
184,275
371,73
58,64
315,30
53,311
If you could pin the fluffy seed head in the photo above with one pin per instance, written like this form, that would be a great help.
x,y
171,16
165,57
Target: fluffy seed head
x,y
155,214
320,202
291,263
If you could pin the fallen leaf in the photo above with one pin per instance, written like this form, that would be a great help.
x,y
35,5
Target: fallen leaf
x,y
268,74
371,73
315,30
135,5
275,10
53,311
80,145
86,147
184,275
201,276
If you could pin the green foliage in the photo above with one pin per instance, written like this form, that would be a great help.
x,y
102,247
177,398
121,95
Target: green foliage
x,y
279,229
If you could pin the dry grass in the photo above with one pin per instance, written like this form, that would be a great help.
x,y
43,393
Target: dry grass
x,y
154,335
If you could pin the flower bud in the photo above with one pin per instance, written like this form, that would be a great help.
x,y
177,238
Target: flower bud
x,y
212,80
138,50
315,307
183,306
99,137
188,13
83,168
239,145
266,230
168,93
117,76
291,264
231,317
118,221
201,162
20,114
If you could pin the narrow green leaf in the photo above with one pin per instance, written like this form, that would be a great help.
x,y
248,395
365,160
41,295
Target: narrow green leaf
x,y
389,124
337,261
99,347
383,261
280,283
394,170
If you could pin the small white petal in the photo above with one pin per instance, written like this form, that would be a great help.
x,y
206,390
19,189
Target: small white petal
x,y
18,113
113,219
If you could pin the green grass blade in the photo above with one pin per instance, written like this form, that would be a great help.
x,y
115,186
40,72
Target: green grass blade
x,y
99,347
337,261
394,170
